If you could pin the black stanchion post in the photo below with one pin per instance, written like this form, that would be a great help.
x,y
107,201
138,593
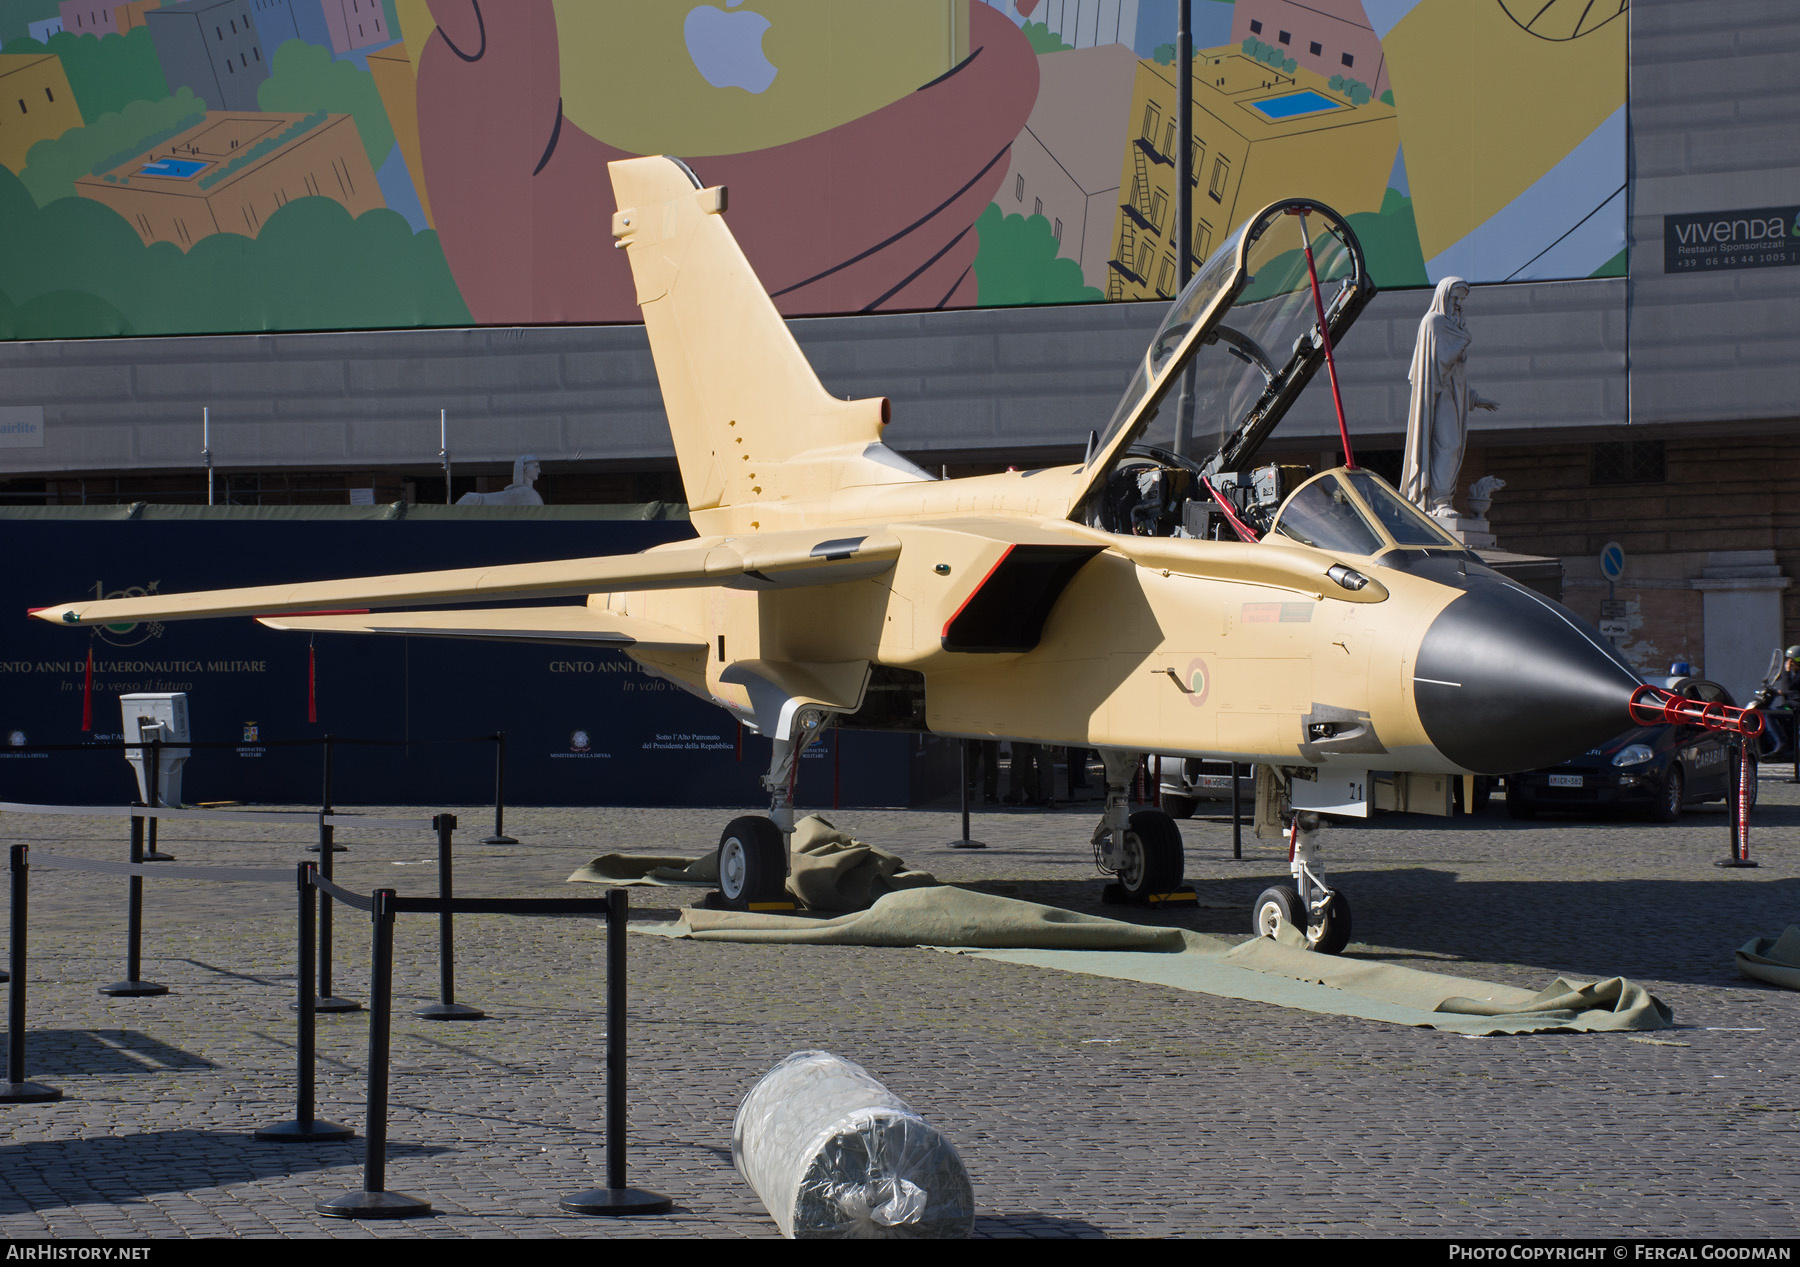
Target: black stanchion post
x,y
327,1001
499,837
967,775
305,1126
17,1090
1237,816
616,1198
134,986
374,1201
153,776
447,1008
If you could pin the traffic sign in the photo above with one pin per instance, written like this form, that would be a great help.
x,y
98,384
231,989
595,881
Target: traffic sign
x,y
1612,560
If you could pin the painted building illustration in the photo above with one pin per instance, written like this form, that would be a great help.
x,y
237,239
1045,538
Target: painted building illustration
x,y
1065,163
1257,131
1327,37
275,23
42,31
1086,23
36,104
232,172
210,47
353,24
88,17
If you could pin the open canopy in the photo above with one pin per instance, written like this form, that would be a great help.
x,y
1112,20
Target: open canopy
x,y
1246,326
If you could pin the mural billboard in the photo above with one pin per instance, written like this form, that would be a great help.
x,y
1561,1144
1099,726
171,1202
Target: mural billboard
x,y
211,166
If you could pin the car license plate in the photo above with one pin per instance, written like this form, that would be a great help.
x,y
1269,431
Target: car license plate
x,y
1565,780
1214,780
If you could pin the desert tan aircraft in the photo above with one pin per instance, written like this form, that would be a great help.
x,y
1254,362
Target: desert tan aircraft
x,y
1134,602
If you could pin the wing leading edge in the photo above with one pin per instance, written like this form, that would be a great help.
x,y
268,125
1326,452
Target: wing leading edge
x,y
765,561
573,626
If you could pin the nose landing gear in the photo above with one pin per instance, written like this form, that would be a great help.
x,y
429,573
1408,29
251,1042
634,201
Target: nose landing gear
x,y
1308,904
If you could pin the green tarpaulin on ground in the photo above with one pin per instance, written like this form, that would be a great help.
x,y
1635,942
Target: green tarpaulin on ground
x,y
1282,971
830,871
1776,960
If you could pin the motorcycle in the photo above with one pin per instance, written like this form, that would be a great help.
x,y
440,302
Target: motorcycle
x,y
1778,733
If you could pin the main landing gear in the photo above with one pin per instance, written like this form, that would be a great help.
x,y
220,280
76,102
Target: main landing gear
x,y
1142,850
1324,913
753,850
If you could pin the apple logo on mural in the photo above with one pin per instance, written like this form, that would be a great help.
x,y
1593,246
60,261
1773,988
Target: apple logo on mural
x,y
726,48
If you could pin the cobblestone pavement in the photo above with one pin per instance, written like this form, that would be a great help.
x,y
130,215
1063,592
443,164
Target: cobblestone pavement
x,y
1082,1106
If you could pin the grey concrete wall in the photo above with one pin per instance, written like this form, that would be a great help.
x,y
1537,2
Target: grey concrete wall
x,y
987,383
1715,126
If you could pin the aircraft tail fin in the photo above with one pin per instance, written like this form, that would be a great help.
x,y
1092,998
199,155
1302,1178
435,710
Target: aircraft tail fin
x,y
739,393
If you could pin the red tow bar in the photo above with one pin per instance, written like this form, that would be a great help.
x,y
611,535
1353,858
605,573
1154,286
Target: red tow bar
x,y
1651,705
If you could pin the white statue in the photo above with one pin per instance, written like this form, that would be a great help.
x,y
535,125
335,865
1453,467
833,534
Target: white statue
x,y
1437,422
518,493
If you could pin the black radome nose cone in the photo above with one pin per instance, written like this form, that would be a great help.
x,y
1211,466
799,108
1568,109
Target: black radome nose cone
x,y
1507,680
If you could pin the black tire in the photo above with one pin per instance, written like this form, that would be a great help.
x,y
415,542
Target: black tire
x,y
1669,796
752,868
1331,934
1516,804
1178,806
1152,861
1328,937
1277,900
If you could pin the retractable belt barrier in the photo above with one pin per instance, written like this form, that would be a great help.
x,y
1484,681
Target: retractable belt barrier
x,y
374,1200
384,905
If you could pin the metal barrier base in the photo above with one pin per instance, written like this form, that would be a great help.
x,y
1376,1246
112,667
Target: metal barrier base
x,y
373,1205
1734,862
617,1201
498,840
313,1131
450,1012
967,844
133,989
27,1093
330,1003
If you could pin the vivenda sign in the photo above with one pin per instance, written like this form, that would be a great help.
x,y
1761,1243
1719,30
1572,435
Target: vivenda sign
x,y
1710,240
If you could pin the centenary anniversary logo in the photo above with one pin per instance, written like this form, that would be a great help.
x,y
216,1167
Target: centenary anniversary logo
x,y
127,635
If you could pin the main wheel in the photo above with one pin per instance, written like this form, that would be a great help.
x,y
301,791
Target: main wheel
x,y
1667,806
1152,861
1177,806
752,867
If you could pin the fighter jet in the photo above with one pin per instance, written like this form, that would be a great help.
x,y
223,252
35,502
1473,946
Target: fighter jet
x,y
1136,601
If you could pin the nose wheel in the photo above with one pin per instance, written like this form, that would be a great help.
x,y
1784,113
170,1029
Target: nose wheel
x,y
1324,913
1327,930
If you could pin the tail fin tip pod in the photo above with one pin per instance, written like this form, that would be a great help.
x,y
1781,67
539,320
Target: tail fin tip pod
x,y
740,395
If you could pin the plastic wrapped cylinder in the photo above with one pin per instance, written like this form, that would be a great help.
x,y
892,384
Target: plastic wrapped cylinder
x,y
833,1154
